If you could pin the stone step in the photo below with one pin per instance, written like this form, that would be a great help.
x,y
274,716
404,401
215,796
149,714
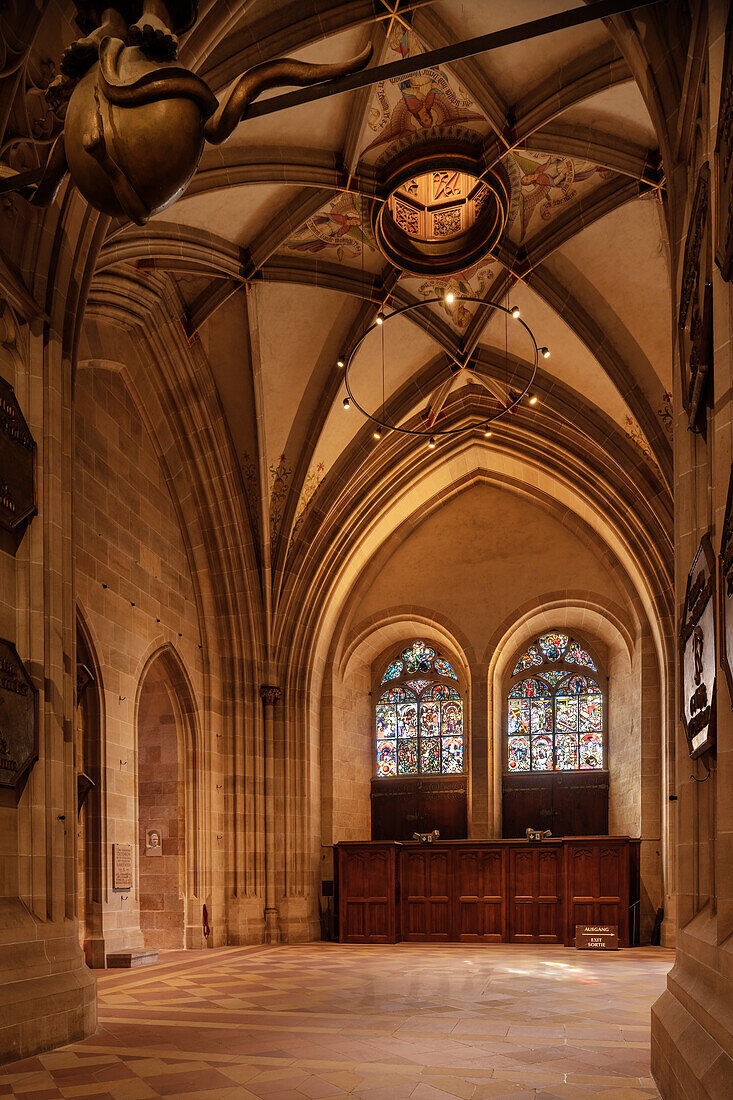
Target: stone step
x,y
128,959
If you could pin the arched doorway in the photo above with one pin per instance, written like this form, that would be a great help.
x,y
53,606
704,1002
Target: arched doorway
x,y
165,745
90,798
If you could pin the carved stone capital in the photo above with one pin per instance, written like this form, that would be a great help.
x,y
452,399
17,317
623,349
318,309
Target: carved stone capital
x,y
269,694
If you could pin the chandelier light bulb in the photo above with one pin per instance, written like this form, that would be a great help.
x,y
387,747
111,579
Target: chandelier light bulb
x,y
347,403
377,435
431,442
545,353
340,363
515,312
488,434
380,318
533,400
450,297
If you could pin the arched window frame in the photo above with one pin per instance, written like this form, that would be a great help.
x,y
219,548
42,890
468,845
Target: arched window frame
x,y
434,677
569,668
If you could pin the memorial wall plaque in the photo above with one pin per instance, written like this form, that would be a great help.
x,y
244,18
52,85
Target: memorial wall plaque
x,y
596,937
726,588
698,651
17,466
122,866
18,738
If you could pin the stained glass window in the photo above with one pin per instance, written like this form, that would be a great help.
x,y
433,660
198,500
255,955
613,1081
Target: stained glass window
x,y
394,670
419,657
554,714
419,721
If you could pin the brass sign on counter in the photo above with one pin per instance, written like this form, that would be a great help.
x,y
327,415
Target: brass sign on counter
x,y
17,468
122,866
18,737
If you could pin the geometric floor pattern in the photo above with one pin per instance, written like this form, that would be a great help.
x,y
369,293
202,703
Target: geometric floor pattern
x,y
428,1022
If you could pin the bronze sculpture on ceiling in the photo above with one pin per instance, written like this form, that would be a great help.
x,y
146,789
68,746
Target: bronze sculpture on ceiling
x,y
137,120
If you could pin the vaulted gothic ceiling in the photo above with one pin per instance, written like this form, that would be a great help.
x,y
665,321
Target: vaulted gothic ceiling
x,y
269,267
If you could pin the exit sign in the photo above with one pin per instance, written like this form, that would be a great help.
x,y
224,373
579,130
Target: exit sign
x,y
596,937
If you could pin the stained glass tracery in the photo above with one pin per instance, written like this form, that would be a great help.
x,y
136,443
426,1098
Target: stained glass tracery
x,y
419,722
555,714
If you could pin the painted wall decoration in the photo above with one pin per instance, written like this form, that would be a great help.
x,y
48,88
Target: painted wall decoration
x,y
726,589
281,475
340,229
417,103
18,729
698,651
475,282
665,412
313,479
546,182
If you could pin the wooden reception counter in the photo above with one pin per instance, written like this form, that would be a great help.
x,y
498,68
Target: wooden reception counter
x,y
486,891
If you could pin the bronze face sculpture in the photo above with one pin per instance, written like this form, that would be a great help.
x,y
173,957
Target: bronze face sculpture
x,y
137,121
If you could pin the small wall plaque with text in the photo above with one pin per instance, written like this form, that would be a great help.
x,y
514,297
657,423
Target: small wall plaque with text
x,y
122,866
596,937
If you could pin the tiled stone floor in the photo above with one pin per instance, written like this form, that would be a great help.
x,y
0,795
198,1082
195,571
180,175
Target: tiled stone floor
x,y
321,1020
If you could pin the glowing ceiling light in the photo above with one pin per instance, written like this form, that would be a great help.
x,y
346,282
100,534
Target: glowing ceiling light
x,y
514,312
450,297
380,318
347,403
340,363
545,353
431,442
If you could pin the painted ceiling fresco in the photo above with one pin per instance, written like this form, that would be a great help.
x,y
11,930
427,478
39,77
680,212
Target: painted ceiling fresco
x,y
298,220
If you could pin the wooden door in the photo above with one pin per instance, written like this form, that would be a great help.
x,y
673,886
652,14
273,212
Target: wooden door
x,y
426,887
580,804
535,892
566,803
367,894
479,878
597,886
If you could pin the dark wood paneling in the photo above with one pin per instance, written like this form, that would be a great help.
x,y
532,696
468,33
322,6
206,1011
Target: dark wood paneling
x,y
535,893
426,888
480,891
367,886
567,803
485,891
580,804
401,807
597,885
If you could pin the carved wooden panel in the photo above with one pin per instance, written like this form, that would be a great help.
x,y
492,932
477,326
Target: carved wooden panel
x,y
597,886
485,891
535,885
367,909
426,887
480,889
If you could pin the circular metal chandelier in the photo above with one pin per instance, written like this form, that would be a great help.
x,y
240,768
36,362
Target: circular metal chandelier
x,y
430,430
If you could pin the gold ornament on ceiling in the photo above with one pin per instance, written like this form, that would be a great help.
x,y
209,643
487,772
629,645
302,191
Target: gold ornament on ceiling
x,y
137,120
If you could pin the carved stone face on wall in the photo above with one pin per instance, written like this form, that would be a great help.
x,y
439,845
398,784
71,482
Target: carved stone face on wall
x,y
152,843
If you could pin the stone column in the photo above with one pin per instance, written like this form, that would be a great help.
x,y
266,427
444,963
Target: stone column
x,y
270,694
